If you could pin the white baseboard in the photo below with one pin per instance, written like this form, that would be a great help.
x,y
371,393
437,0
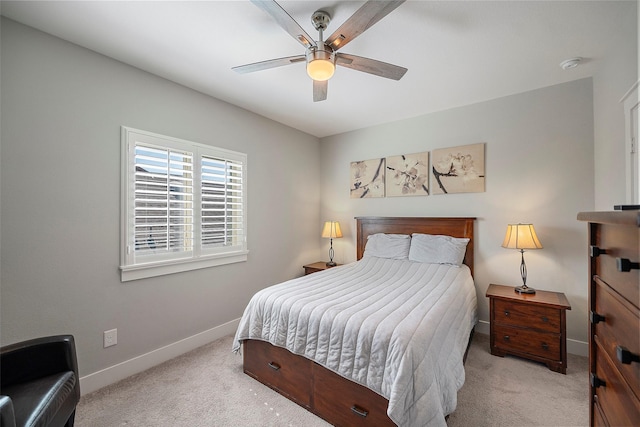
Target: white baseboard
x,y
483,327
579,348
112,374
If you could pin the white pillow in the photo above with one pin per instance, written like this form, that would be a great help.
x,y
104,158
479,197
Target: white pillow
x,y
437,249
392,246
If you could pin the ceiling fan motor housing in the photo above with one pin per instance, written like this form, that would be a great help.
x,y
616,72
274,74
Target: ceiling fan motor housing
x,y
320,20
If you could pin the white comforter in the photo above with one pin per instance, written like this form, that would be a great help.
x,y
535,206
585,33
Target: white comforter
x,y
397,327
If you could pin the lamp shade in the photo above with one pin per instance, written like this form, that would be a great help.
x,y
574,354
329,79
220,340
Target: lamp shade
x,y
521,236
331,230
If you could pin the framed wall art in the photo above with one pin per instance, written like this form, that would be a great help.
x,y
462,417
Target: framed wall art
x,y
367,178
407,175
458,169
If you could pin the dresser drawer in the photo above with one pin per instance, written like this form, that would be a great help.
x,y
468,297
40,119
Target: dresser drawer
x,y
614,298
619,328
598,418
618,242
347,403
526,315
546,345
618,404
280,370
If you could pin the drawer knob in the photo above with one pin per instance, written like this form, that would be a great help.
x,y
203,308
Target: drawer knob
x,y
596,318
506,313
625,356
545,319
506,337
545,346
597,382
624,264
359,411
595,251
274,366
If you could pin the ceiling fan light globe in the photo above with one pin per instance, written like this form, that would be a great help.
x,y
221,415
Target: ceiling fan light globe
x,y
320,69
321,62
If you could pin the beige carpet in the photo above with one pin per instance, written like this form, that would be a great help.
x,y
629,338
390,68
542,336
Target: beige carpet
x,y
207,387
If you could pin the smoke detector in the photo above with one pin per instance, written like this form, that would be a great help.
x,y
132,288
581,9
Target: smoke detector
x,y
570,63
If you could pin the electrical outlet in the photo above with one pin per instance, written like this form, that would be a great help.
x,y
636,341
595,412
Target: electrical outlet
x,y
110,338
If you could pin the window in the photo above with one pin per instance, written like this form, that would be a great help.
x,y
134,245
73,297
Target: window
x,y
183,205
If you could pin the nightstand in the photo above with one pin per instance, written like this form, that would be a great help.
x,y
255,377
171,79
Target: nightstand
x,y
315,267
532,326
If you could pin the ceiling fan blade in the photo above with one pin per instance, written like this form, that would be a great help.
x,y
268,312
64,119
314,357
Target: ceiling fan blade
x,y
370,66
363,19
271,63
286,22
320,90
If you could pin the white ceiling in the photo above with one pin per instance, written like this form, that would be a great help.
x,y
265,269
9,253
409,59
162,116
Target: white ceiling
x,y
457,52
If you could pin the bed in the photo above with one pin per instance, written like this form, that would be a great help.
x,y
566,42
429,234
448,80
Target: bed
x,y
377,342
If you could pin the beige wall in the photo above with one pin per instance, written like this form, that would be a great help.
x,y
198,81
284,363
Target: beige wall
x,y
616,71
550,153
539,169
62,108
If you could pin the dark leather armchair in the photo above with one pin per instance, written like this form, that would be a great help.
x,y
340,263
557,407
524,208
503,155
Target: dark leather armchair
x,y
39,382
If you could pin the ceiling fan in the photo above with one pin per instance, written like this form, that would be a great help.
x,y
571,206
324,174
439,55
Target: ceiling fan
x,y
321,56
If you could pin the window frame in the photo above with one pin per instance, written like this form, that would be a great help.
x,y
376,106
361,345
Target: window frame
x,y
134,267
631,106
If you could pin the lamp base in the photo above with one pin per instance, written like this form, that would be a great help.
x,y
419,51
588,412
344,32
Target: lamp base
x,y
525,290
331,264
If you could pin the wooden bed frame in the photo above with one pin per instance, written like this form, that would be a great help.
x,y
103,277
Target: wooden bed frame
x,y
338,400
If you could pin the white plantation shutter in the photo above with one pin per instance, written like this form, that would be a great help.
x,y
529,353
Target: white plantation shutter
x,y
221,202
184,205
163,200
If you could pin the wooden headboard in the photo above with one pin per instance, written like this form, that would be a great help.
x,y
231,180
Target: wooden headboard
x,y
455,227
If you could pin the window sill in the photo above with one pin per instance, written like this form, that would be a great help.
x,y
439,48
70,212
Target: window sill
x,y
143,271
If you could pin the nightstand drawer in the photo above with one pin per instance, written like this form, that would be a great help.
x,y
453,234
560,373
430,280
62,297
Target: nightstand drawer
x,y
310,270
316,267
545,345
526,315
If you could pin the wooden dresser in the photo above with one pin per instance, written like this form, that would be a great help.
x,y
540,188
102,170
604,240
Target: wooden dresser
x,y
614,314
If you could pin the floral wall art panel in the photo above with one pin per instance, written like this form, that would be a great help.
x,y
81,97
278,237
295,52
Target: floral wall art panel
x,y
458,169
367,178
407,175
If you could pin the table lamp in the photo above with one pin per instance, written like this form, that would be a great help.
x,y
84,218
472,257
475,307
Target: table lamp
x,y
331,230
522,236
